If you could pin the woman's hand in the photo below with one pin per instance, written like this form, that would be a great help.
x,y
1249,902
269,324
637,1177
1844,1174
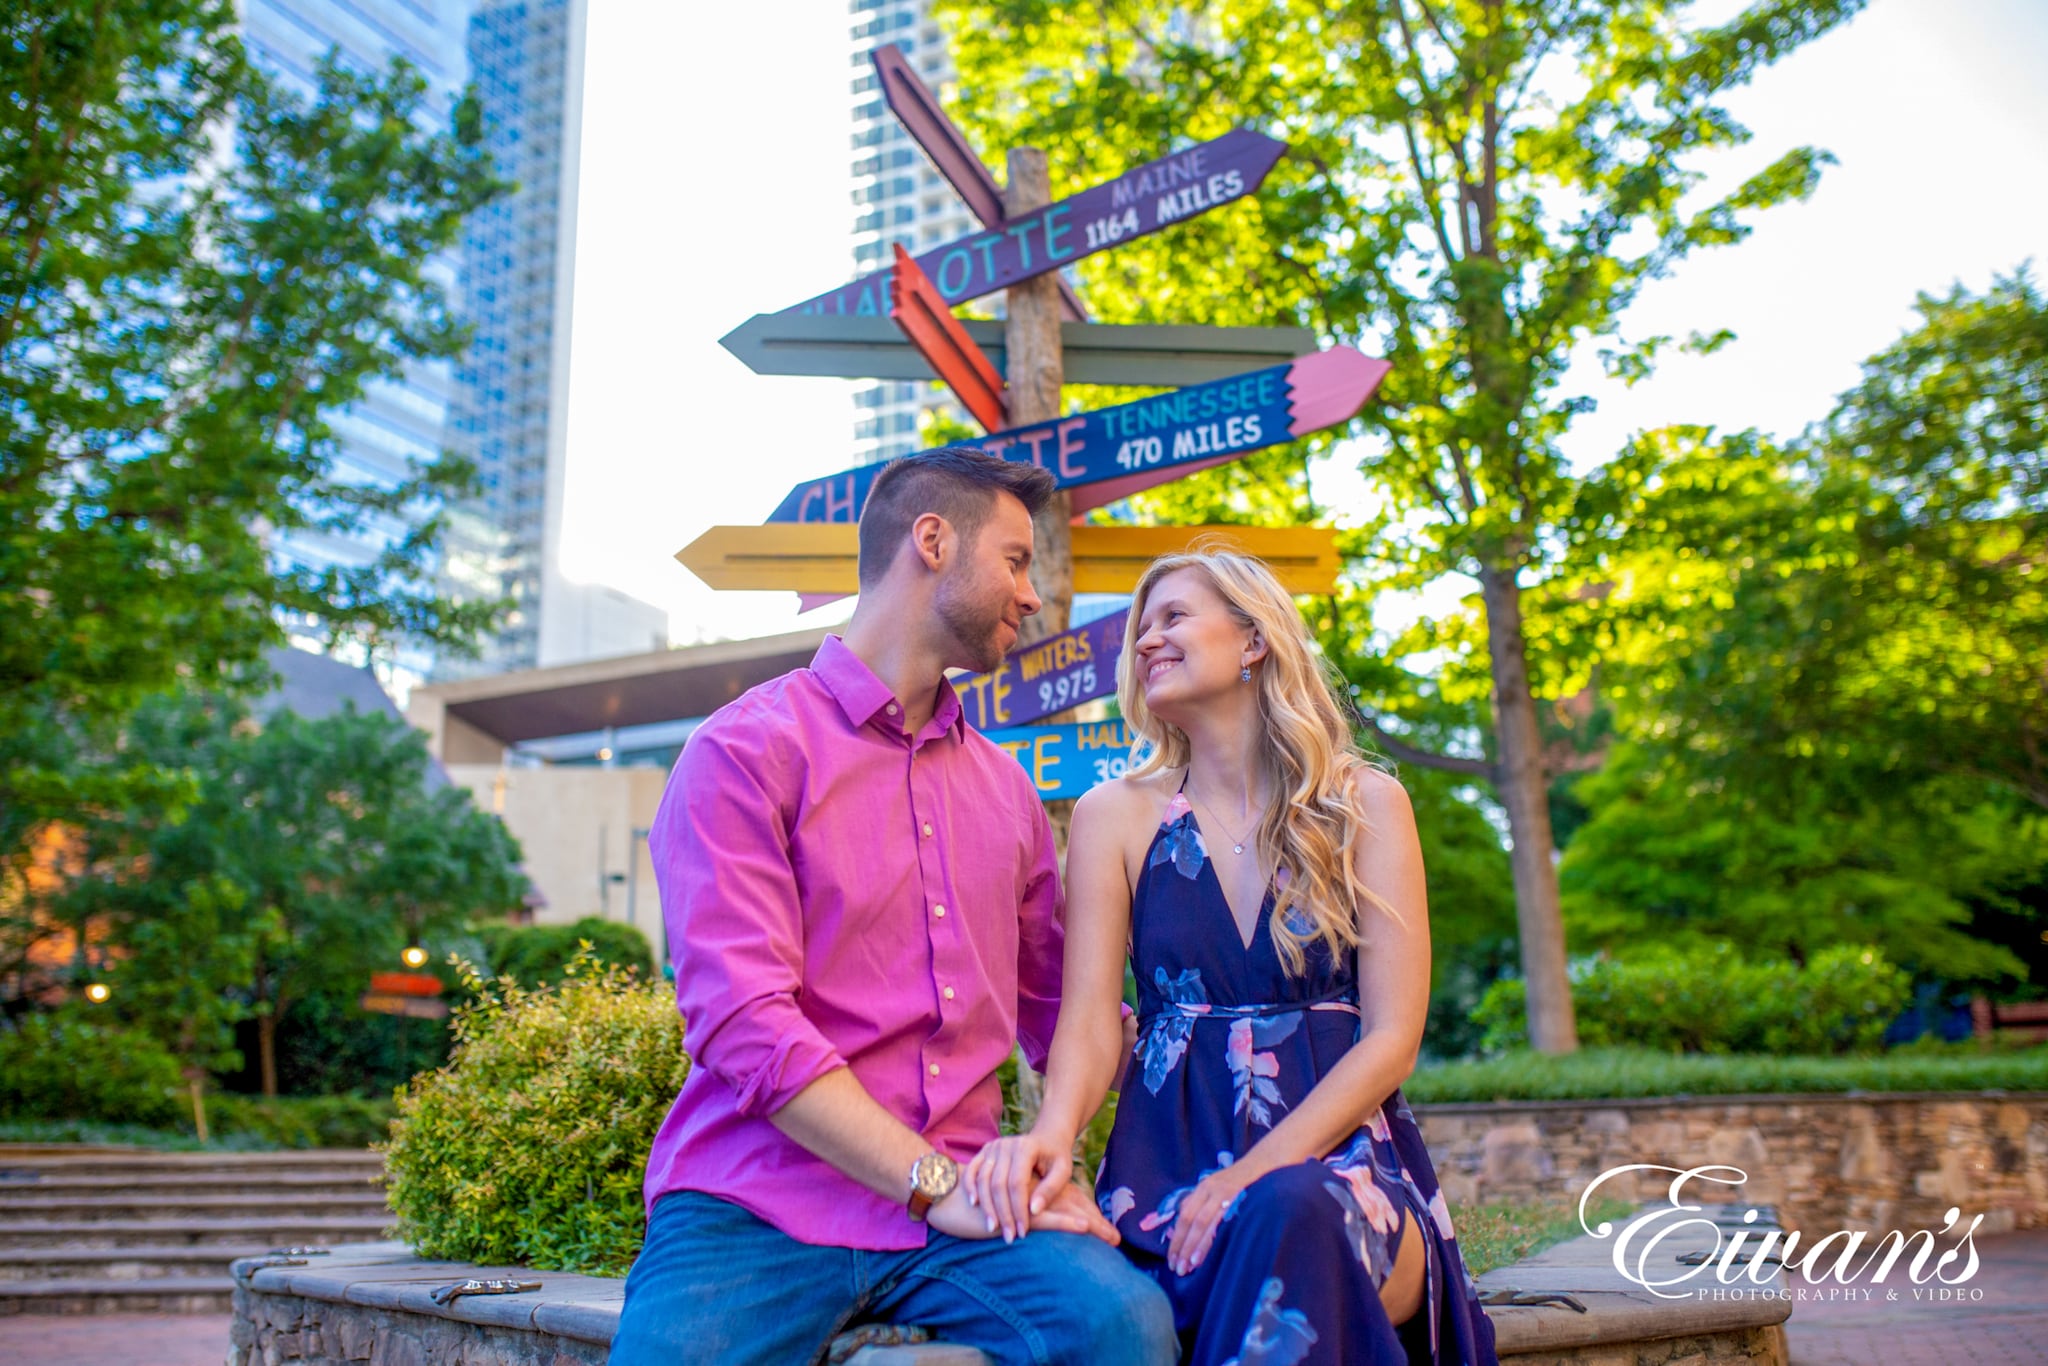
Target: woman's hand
x,y
1200,1215
1012,1179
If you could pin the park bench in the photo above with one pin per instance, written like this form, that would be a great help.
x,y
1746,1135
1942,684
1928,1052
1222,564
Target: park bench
x,y
2028,1019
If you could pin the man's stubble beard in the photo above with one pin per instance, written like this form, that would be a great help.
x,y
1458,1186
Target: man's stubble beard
x,y
975,631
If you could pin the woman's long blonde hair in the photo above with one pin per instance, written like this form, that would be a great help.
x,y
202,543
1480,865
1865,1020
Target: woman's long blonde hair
x,y
1311,759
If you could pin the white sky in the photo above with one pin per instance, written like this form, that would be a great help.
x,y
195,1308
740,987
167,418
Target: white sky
x,y
714,186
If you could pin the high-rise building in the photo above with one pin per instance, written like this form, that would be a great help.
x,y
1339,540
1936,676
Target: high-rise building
x,y
401,420
897,197
504,403
518,290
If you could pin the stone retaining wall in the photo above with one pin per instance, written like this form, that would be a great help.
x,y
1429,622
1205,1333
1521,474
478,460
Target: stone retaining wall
x,y
1871,1161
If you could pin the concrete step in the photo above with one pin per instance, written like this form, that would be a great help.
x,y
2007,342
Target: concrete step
x,y
287,1185
278,1230
171,1295
94,1209
138,1262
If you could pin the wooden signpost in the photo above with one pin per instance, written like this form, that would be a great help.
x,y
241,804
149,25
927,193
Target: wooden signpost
x,y
1065,761
1077,665
1153,196
1111,453
918,110
822,557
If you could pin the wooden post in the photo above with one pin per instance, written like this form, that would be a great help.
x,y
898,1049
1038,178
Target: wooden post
x,y
1031,339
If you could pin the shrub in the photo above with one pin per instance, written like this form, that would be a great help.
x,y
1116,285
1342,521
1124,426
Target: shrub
x,y
528,1147
66,1066
1712,1000
533,954
1626,1073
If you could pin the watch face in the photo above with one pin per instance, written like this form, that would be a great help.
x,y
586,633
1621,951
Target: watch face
x,y
935,1176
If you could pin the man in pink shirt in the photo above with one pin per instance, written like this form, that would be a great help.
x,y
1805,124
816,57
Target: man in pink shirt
x,y
864,909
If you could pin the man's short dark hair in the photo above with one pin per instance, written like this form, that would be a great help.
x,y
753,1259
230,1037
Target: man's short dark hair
x,y
957,482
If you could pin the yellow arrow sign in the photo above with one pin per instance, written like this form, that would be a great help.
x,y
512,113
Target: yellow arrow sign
x,y
820,557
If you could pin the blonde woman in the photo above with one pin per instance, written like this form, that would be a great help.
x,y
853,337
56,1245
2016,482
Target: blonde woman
x,y
1266,884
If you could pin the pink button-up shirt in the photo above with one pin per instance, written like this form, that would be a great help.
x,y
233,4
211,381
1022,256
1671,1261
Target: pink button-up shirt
x,y
841,894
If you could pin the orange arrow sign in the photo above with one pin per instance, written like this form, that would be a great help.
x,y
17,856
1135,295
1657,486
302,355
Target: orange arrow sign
x,y
938,336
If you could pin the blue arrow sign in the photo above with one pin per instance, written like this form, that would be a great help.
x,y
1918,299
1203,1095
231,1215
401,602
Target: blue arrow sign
x,y
1075,666
1065,761
1116,451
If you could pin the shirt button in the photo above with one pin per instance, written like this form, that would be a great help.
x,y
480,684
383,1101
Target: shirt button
x,y
927,829
949,993
935,1069
939,911
892,709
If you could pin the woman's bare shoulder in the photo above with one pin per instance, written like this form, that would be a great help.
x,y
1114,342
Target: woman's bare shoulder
x,y
1379,793
1128,805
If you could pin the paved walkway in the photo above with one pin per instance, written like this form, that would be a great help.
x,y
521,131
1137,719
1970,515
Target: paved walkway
x,y
2007,1326
115,1339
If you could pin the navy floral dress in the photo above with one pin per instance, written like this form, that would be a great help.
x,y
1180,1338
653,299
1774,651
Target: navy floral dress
x,y
1228,1041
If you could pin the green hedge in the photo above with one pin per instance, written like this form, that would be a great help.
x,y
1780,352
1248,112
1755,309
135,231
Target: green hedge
x,y
533,954
69,1066
1713,1000
529,1146
1622,1073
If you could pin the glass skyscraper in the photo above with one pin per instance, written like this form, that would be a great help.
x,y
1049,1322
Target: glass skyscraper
x,y
897,197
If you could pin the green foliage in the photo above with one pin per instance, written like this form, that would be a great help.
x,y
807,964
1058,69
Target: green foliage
x,y
69,1066
301,1121
320,849
529,1146
237,1124
198,268
1671,857
1711,1000
330,1046
534,954
1865,607
1474,192
1622,1073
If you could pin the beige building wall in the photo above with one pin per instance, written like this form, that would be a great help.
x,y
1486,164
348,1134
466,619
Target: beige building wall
x,y
582,831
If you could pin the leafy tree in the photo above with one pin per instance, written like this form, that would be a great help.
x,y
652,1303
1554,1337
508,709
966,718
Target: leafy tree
x,y
1475,187
1866,606
195,269
1669,859
323,849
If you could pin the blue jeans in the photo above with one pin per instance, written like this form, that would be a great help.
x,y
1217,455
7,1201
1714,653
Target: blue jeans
x,y
716,1285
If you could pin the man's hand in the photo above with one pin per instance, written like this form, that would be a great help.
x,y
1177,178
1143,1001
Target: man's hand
x,y
1072,1212
1014,1179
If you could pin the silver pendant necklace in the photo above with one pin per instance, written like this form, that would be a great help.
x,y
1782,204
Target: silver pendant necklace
x,y
1236,842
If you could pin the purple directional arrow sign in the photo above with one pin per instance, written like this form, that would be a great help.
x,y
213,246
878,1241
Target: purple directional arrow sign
x,y
1153,196
1111,453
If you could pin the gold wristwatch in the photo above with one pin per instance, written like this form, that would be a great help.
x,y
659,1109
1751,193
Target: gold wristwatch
x,y
932,1179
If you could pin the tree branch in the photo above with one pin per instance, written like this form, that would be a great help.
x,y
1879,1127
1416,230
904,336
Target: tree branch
x,y
1406,753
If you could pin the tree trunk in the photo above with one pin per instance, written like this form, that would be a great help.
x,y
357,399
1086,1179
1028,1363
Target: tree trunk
x,y
195,1084
1520,782
266,1053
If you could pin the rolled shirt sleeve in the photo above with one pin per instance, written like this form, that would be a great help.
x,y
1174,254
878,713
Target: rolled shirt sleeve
x,y
1041,941
721,851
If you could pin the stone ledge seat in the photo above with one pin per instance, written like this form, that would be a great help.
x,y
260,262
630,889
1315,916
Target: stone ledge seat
x,y
370,1302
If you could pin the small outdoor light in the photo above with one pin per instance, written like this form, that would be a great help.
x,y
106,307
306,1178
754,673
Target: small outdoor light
x,y
604,755
97,993
415,957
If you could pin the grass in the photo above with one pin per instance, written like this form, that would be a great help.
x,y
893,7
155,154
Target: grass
x,y
1620,1073
1498,1235
237,1124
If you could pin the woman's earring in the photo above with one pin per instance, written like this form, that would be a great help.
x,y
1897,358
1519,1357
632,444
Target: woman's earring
x,y
1244,675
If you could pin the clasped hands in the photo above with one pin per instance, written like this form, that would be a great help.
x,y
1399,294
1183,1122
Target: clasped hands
x,y
1016,1184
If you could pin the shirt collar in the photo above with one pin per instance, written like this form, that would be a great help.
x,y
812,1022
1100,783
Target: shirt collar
x,y
860,694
